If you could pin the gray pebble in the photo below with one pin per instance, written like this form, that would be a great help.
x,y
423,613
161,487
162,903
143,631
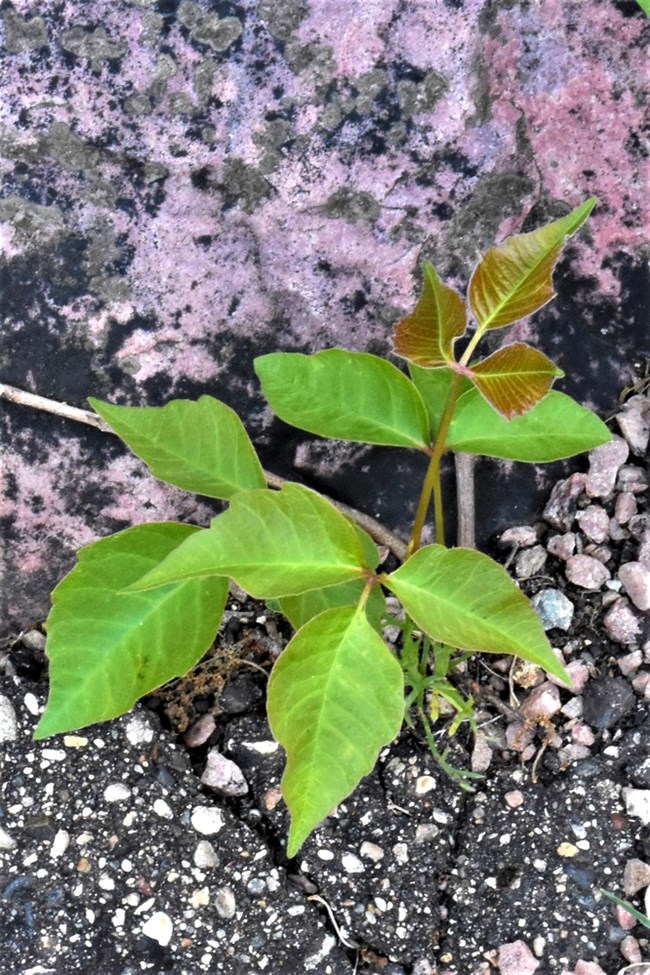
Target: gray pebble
x,y
223,775
607,701
553,608
529,562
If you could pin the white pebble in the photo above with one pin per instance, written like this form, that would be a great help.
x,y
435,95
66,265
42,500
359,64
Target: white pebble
x,y
7,842
371,851
60,844
31,703
204,855
352,864
117,792
138,730
159,928
224,902
8,723
637,803
207,820
162,809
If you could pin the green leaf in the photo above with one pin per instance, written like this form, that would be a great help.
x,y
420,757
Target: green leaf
x,y
199,445
427,336
465,599
302,608
433,386
514,279
272,543
108,647
515,378
345,396
335,697
631,909
557,427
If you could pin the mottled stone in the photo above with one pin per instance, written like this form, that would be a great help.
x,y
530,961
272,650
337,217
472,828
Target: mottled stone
x,y
594,523
635,429
516,958
542,702
223,775
633,479
586,572
622,623
604,464
553,608
562,546
625,507
561,507
523,536
199,732
636,578
607,701
8,722
630,663
530,561
636,876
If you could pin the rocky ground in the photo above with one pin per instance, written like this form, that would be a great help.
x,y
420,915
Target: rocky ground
x,y
155,842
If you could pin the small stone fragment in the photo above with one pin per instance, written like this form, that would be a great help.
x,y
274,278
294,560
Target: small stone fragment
x,y
163,809
224,902
582,734
205,856
523,536
139,730
542,702
630,663
632,478
223,775
594,523
200,731
514,798
481,753
7,842
562,546
8,722
561,507
588,968
635,429
601,552
625,507
117,792
553,608
604,464
352,863
586,572
636,579
516,958
630,949
373,852
636,876
622,623
637,803
60,844
607,701
207,820
530,561
159,928
567,850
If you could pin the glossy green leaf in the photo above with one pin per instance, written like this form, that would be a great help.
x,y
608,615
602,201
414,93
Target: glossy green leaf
x,y
515,378
433,386
302,608
515,279
465,599
427,336
557,427
199,445
335,697
272,543
108,647
344,395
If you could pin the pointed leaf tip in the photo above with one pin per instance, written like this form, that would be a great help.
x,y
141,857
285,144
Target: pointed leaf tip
x,y
515,378
427,335
515,279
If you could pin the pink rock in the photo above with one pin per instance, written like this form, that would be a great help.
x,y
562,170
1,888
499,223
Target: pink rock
x,y
481,753
523,536
588,968
561,508
586,572
630,949
630,663
641,683
636,876
518,737
516,958
635,429
633,479
626,920
594,523
625,508
604,464
224,776
200,731
582,734
542,702
601,552
621,623
579,674
643,555
562,546
573,752
636,578
514,798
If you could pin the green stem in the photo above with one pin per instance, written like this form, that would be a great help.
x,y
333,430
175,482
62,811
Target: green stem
x,y
432,483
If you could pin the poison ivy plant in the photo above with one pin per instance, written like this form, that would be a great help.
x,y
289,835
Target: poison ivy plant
x,y
142,606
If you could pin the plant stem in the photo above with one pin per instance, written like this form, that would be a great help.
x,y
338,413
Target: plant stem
x,y
21,397
432,483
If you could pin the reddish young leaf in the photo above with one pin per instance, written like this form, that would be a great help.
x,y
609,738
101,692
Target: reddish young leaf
x,y
515,378
427,335
514,279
